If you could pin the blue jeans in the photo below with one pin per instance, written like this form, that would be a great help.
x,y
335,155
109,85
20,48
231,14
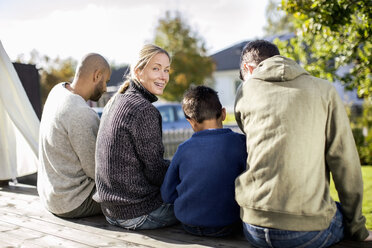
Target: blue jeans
x,y
161,217
213,231
269,237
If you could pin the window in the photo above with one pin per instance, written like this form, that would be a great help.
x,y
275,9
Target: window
x,y
167,113
179,113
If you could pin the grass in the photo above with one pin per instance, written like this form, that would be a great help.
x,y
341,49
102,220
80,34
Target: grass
x,y
367,194
230,119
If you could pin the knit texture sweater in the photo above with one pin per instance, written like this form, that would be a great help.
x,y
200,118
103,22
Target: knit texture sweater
x,y
200,179
129,155
68,131
298,134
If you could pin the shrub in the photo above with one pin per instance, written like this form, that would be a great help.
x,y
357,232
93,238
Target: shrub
x,y
361,125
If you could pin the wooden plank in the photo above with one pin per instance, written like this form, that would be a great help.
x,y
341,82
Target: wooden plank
x,y
83,238
352,244
9,242
169,237
20,236
5,227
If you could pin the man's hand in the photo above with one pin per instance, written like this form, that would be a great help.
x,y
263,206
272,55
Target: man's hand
x,y
369,238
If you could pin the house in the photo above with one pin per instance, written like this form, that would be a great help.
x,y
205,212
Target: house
x,y
226,77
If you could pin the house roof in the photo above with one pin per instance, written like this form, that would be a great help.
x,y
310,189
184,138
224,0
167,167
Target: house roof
x,y
229,58
118,75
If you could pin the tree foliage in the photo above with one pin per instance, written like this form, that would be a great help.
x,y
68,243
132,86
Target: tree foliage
x,y
190,63
361,125
52,71
63,71
330,35
278,22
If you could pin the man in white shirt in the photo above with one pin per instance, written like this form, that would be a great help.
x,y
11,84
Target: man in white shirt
x,y
68,131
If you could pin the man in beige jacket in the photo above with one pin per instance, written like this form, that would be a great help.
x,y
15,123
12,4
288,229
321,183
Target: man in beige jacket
x,y
298,134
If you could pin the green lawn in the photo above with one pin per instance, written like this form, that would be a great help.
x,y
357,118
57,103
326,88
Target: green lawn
x,y
367,196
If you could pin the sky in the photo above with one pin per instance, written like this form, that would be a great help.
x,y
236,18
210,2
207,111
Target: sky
x,y
117,29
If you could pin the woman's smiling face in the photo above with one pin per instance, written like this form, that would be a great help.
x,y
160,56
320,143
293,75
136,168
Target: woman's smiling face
x,y
155,76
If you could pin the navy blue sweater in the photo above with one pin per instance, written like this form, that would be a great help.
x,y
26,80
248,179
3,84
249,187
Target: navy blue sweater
x,y
200,179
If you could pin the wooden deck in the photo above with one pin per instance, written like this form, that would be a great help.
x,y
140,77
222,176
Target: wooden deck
x,y
25,223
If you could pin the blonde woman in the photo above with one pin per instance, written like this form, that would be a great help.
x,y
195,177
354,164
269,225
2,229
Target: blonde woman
x,y
129,152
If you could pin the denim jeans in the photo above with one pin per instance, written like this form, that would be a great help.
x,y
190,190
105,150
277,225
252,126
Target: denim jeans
x,y
161,217
213,231
269,237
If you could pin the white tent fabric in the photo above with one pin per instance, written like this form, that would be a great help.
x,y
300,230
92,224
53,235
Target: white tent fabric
x,y
19,125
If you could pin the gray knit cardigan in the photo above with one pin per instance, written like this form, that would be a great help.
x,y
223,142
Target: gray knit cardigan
x,y
129,155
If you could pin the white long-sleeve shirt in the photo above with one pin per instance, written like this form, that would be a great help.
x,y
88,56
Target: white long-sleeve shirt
x,y
68,132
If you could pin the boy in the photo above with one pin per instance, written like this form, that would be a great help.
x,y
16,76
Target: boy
x,y
200,179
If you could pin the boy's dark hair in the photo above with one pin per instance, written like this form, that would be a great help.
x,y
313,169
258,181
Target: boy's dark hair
x,y
201,103
255,52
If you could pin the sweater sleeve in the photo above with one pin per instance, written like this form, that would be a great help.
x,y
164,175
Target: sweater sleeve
x,y
171,181
149,145
82,133
343,161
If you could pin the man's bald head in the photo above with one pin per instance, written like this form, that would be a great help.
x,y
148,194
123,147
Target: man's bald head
x,y
91,77
91,63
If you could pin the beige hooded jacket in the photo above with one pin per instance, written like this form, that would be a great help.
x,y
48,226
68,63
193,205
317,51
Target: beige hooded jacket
x,y
297,134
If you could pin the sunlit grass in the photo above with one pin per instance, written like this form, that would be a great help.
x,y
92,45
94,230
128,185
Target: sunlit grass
x,y
230,119
367,194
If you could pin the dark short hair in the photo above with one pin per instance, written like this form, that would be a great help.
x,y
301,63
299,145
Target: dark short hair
x,y
201,103
255,52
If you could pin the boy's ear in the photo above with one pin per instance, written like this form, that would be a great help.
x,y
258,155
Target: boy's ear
x,y
193,123
223,114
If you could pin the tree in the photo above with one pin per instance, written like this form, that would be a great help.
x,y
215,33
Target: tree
x,y
52,71
278,22
59,71
190,64
330,35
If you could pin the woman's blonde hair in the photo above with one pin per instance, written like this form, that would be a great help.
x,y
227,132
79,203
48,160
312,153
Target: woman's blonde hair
x,y
145,55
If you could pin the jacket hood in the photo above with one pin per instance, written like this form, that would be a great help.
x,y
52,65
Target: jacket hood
x,y
278,69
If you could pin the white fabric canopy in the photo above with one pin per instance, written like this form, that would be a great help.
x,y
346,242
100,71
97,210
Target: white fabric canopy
x,y
19,125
